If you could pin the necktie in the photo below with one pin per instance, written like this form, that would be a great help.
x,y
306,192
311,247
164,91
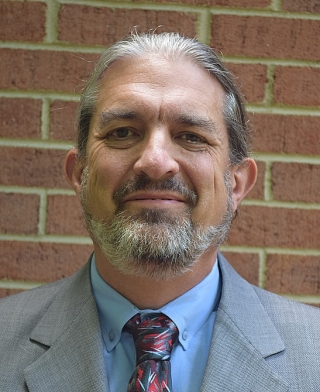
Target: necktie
x,y
153,337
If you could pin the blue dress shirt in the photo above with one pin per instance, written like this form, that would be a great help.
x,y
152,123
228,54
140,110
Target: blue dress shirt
x,y
194,314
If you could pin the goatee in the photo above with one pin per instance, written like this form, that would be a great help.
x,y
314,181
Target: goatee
x,y
159,244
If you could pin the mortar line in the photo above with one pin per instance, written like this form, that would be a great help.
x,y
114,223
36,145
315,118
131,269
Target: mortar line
x,y
265,13
48,238
36,190
268,191
269,94
287,158
262,269
276,5
45,119
281,204
271,250
52,21
40,95
30,143
283,110
204,27
43,213
19,285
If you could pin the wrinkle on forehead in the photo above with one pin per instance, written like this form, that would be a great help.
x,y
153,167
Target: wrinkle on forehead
x,y
156,91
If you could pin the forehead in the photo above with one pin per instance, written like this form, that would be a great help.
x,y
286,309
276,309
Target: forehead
x,y
155,86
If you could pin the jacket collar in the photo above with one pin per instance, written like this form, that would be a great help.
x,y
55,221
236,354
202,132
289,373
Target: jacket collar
x,y
243,336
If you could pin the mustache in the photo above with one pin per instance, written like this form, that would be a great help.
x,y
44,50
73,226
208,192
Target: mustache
x,y
144,183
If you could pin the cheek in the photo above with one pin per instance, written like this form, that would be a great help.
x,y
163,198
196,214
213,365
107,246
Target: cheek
x,y
212,195
107,170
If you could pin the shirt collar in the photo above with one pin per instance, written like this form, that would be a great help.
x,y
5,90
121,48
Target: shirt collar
x,y
189,312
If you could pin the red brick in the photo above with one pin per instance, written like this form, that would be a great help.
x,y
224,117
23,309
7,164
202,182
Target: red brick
x,y
40,262
20,118
293,274
7,292
258,190
286,134
63,118
266,37
276,227
103,26
296,182
297,85
32,167
252,80
65,216
22,21
301,5
44,70
246,264
19,213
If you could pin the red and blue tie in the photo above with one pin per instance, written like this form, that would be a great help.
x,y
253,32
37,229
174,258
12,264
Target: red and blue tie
x,y
154,337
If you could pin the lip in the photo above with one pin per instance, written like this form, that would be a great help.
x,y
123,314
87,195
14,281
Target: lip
x,y
154,197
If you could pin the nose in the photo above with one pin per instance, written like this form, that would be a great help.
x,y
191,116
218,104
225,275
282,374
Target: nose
x,y
156,158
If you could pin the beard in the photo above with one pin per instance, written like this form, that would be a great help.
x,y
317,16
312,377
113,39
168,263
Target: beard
x,y
157,244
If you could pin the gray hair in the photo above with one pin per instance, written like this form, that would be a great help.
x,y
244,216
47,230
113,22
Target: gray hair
x,y
172,46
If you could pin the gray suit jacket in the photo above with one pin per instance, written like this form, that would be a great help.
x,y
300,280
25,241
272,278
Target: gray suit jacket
x,y
50,340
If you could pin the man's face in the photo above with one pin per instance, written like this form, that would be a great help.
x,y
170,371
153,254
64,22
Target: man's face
x,y
157,160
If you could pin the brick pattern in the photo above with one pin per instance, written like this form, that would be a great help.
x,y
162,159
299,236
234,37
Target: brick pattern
x,y
286,134
293,274
40,262
101,25
22,21
19,213
273,48
32,167
13,124
312,6
62,120
255,36
297,85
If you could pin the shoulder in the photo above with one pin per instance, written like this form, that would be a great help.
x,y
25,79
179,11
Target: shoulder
x,y
21,311
247,304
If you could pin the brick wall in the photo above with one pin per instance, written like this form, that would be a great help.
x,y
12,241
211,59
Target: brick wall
x,y
47,50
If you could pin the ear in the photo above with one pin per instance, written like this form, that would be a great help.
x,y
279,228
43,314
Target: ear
x,y
243,179
73,168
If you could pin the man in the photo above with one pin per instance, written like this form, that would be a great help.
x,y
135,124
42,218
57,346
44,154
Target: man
x,y
161,166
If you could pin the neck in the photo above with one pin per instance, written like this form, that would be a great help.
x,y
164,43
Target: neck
x,y
141,292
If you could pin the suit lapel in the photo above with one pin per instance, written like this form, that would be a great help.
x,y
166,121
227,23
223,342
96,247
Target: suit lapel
x,y
243,337
71,331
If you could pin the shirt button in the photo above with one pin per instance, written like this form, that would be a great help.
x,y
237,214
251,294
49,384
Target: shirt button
x,y
111,335
185,335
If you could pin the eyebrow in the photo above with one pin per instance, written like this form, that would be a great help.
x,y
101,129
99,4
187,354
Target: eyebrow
x,y
206,124
108,116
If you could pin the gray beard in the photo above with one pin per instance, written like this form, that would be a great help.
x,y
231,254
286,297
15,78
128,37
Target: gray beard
x,y
155,243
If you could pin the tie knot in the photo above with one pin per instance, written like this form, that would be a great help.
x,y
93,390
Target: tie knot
x,y
153,336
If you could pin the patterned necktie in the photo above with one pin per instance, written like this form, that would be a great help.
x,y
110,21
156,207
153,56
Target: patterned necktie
x,y
153,337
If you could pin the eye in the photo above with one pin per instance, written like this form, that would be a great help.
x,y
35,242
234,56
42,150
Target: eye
x,y
120,133
122,137
192,138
